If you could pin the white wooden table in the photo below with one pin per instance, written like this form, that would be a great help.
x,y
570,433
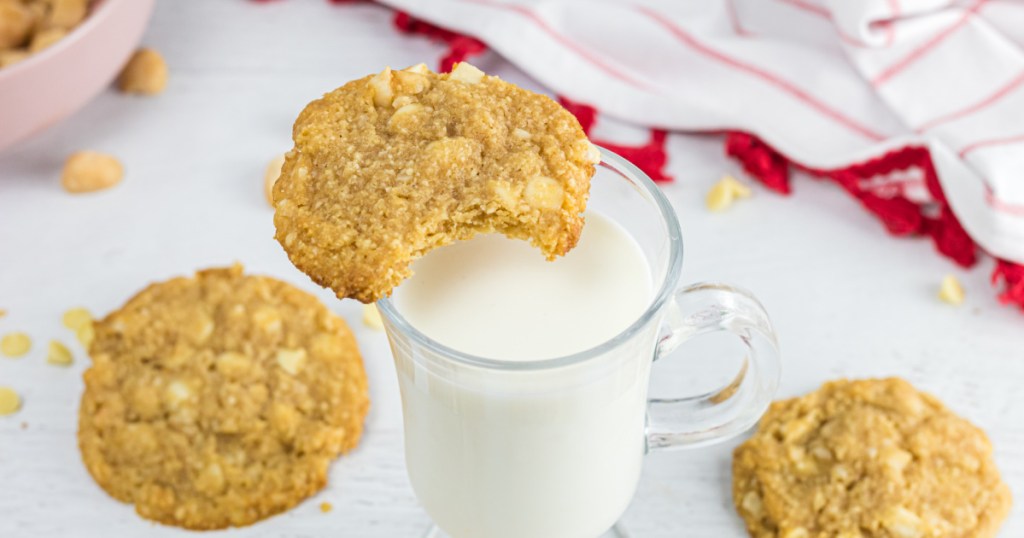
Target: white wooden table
x,y
847,300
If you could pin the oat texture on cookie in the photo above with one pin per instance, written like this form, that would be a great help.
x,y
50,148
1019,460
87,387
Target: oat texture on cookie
x,y
395,164
219,400
868,459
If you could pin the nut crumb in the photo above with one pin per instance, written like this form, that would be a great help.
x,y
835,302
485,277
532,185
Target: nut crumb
x,y
144,74
76,318
11,57
46,38
15,24
2,312
15,344
66,14
371,317
85,334
326,507
725,192
950,291
88,171
10,402
59,354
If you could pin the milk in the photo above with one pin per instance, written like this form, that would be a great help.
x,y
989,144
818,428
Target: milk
x,y
537,453
499,298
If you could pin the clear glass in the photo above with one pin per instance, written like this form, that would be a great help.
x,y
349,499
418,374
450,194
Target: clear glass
x,y
553,448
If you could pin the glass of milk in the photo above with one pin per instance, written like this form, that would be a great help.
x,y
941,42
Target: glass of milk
x,y
524,382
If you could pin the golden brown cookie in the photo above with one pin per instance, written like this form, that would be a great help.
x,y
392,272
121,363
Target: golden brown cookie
x,y
868,459
219,400
392,165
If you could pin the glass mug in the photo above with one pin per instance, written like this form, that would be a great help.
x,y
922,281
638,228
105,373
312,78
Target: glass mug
x,y
553,448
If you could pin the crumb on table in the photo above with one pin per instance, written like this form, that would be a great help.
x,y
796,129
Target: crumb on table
x,y
15,344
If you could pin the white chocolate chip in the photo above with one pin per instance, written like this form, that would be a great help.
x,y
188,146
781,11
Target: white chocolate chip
x,y
291,360
951,292
543,192
896,459
902,523
593,153
76,318
10,402
402,100
411,82
505,195
752,504
268,319
15,344
58,354
381,86
725,192
200,327
177,391
211,480
466,73
521,133
232,364
400,119
420,68
795,532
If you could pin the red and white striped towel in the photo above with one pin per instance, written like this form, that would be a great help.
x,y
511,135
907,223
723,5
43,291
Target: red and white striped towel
x,y
829,84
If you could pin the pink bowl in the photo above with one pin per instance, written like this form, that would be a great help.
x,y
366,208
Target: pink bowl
x,y
51,85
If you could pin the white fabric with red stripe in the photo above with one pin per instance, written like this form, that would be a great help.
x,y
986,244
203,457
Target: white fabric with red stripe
x,y
828,83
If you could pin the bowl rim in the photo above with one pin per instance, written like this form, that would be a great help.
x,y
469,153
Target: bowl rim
x,y
93,18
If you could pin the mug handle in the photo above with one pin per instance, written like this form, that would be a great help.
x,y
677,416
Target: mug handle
x,y
703,419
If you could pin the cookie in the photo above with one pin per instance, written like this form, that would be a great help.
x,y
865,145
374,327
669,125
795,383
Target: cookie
x,y
219,400
867,459
392,165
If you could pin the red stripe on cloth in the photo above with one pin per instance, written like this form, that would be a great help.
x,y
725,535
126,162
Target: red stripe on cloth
x,y
563,40
1016,139
888,73
734,19
890,29
809,7
980,105
763,75
1002,206
822,12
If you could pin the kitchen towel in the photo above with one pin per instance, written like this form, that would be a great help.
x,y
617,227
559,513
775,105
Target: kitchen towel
x,y
914,106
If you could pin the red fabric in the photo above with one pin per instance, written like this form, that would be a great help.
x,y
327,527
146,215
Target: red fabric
x,y
650,157
460,47
951,239
1012,275
586,115
899,215
759,160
